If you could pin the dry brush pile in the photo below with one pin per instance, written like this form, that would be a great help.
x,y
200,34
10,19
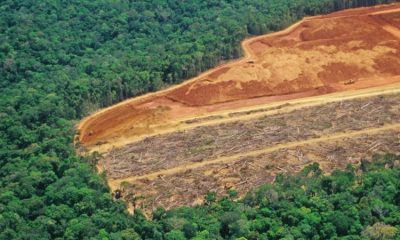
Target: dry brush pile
x,y
189,187
255,151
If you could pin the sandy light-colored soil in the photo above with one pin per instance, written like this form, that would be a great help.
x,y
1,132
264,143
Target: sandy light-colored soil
x,y
326,90
348,50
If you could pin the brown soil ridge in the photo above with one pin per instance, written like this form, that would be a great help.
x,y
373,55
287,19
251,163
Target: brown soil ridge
x,y
309,58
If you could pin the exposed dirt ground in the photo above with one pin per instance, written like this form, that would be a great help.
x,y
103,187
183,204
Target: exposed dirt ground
x,y
213,141
352,49
243,174
187,164
326,90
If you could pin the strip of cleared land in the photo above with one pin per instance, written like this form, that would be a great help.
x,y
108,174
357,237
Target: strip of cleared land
x,y
348,50
242,154
210,142
242,174
326,90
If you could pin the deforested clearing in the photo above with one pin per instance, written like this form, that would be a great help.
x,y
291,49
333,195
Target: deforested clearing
x,y
181,167
348,50
324,90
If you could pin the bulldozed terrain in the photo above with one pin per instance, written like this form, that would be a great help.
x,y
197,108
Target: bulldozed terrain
x,y
353,49
326,90
180,168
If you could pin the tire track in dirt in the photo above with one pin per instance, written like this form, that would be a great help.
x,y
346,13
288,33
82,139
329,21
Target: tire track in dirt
x,y
387,26
392,30
115,183
385,12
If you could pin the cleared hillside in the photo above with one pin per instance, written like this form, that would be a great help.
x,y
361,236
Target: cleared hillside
x,y
324,90
239,155
353,49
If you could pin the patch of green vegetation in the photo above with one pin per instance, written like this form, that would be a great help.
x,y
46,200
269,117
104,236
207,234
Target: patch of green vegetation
x,y
60,60
349,204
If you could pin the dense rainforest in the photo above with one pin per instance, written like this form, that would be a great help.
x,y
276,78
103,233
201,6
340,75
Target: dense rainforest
x,y
60,60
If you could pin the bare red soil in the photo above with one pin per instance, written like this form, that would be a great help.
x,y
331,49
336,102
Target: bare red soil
x,y
347,50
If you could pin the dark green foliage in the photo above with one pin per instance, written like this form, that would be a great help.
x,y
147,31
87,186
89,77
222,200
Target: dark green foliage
x,y
288,210
68,58
60,60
